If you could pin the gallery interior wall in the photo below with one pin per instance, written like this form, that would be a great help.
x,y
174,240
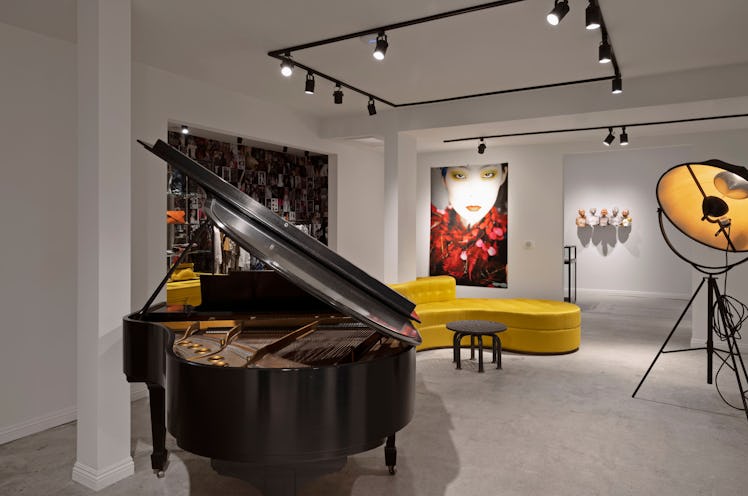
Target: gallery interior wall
x,y
38,193
634,260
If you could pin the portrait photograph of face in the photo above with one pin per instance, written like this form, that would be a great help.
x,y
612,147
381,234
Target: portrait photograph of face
x,y
469,224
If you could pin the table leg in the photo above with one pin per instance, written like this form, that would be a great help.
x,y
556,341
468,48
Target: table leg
x,y
498,352
456,346
480,353
472,347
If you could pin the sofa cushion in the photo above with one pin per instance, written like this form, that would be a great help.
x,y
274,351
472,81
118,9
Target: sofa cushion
x,y
428,289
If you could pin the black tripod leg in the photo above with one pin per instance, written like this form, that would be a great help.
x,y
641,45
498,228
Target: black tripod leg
x,y
390,454
693,297
158,428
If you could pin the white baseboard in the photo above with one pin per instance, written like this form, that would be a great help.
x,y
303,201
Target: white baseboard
x,y
53,419
99,479
37,424
624,292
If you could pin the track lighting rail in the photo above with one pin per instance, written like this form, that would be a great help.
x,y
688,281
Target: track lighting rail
x,y
595,128
285,55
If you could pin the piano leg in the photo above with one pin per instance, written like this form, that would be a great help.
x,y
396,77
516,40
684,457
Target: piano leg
x,y
158,428
390,454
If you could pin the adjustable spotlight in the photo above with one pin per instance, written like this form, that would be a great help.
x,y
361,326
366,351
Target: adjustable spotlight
x,y
609,138
560,9
337,95
309,86
604,53
381,48
287,66
624,137
285,149
239,140
481,147
593,16
185,130
372,109
617,86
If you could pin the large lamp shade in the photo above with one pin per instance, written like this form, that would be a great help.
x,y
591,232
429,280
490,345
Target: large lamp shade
x,y
708,202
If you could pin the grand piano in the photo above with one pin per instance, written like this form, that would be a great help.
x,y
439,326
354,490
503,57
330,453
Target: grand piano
x,y
278,375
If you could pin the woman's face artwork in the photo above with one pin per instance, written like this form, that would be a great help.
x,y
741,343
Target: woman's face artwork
x,y
472,190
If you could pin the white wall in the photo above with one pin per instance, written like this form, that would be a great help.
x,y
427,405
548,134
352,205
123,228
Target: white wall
x,y
357,172
535,208
38,192
632,260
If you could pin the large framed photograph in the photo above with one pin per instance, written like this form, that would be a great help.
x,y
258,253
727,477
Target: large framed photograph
x,y
469,224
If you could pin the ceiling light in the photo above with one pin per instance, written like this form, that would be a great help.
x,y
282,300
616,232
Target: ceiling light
x,y
617,86
337,95
593,16
624,136
560,9
287,66
605,53
481,147
185,130
285,149
372,109
381,48
309,86
609,138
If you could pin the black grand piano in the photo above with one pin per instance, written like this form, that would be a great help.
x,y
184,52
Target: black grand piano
x,y
277,375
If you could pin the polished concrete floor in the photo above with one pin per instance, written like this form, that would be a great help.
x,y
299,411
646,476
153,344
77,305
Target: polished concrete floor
x,y
544,425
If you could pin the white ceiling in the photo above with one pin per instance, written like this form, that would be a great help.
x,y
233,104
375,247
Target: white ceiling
x,y
225,42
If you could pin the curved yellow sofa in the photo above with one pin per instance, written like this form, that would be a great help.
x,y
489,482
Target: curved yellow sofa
x,y
533,326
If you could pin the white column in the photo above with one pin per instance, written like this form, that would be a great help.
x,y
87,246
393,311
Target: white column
x,y
104,110
400,170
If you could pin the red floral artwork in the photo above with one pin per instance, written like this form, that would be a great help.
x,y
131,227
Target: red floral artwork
x,y
474,255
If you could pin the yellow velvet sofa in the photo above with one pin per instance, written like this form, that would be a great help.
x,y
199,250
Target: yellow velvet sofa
x,y
533,326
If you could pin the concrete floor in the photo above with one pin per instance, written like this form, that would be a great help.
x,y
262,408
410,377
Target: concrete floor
x,y
544,425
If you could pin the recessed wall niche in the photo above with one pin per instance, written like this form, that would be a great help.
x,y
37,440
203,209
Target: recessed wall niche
x,y
291,183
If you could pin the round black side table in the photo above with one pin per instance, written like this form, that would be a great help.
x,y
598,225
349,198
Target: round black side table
x,y
477,328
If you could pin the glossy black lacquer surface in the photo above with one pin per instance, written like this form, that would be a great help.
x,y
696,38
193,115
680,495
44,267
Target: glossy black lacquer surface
x,y
263,416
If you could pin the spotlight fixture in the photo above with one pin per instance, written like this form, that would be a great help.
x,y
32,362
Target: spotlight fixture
x,y
287,66
306,153
185,130
604,52
617,86
381,49
609,138
560,9
239,140
593,16
285,149
372,109
481,147
624,137
309,86
337,95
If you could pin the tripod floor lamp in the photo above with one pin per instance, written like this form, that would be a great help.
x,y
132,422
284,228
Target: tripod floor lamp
x,y
708,202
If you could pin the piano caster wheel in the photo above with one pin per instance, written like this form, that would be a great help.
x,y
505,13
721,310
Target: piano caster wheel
x,y
392,469
159,473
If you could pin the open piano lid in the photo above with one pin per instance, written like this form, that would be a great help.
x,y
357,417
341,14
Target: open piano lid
x,y
297,256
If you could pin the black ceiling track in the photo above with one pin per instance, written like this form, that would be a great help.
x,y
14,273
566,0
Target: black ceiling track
x,y
596,128
286,54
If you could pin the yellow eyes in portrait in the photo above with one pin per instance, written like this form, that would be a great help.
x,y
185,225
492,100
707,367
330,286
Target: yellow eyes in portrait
x,y
461,175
